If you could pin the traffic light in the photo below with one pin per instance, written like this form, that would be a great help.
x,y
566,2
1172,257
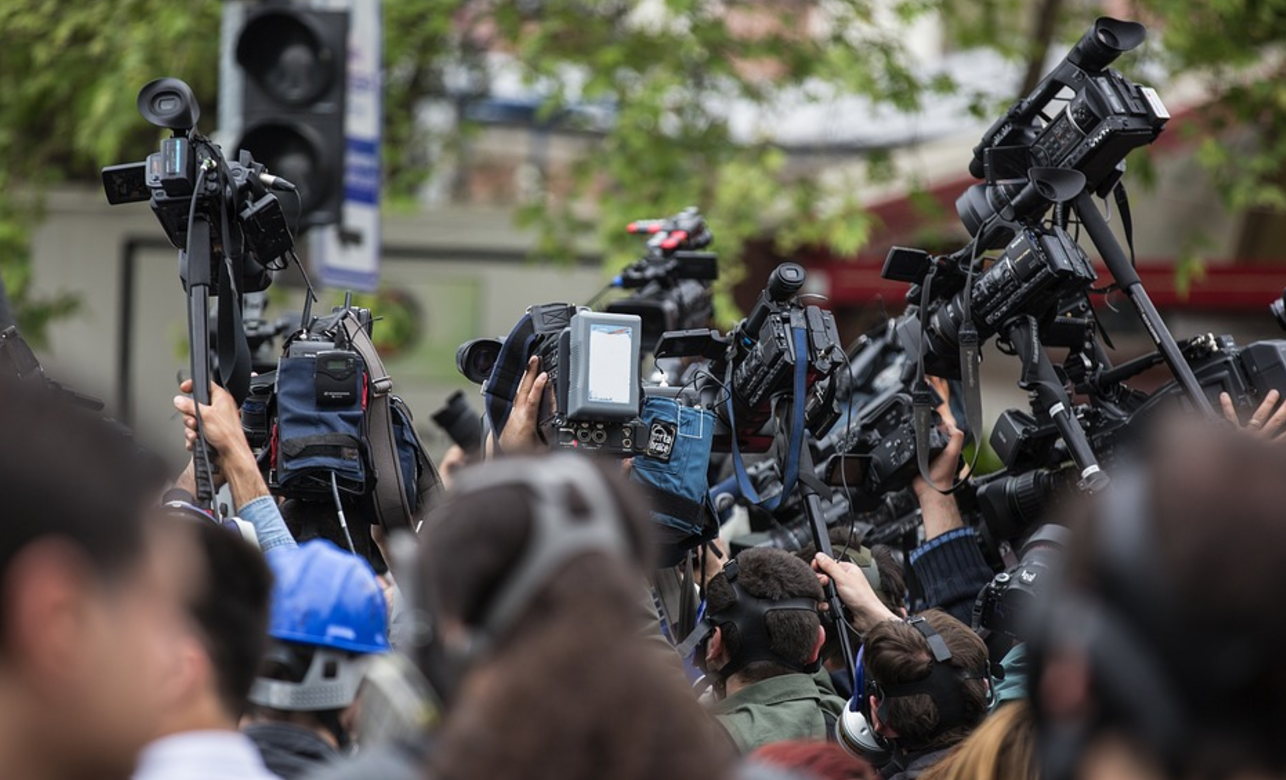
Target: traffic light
x,y
294,62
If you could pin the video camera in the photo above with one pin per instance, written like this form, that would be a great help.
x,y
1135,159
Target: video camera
x,y
1039,270
672,279
595,391
188,180
1105,119
759,360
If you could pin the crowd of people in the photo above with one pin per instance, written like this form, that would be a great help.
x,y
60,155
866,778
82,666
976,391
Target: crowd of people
x,y
519,636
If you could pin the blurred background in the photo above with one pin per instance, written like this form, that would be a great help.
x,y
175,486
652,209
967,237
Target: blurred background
x,y
462,160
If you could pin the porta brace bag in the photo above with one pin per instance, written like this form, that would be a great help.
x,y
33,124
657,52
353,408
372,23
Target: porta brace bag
x,y
314,441
673,473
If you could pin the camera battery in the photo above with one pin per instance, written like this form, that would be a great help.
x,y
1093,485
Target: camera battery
x,y
337,378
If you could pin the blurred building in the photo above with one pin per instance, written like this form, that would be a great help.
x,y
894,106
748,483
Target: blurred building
x,y
457,265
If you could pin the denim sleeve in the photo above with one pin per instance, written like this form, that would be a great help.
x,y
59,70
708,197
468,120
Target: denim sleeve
x,y
263,514
951,571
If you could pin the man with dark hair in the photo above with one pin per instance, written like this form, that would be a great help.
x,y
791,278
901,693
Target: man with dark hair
x,y
90,596
763,646
227,618
928,687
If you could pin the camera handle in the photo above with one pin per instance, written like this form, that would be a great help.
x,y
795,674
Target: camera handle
x,y
1040,379
1127,278
808,491
195,264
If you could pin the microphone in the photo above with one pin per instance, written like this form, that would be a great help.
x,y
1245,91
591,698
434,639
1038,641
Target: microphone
x,y
276,183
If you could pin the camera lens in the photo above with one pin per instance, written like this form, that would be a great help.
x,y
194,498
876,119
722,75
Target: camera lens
x,y
475,359
1278,308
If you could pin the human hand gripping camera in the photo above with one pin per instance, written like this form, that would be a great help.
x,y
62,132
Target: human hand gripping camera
x,y
221,421
234,461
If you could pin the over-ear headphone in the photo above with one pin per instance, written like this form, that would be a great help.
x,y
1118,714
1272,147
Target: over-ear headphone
x,y
944,684
853,729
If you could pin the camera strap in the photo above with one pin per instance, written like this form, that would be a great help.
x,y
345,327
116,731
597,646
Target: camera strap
x,y
922,396
1127,222
790,475
393,508
233,349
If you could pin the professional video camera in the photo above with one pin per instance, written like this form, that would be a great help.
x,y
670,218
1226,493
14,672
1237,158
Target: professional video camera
x,y
230,231
672,279
1040,269
870,450
594,395
190,186
1105,118
783,349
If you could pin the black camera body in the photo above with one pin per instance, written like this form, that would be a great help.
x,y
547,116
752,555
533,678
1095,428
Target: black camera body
x,y
1039,269
1107,117
461,423
672,279
762,353
877,454
1008,604
175,183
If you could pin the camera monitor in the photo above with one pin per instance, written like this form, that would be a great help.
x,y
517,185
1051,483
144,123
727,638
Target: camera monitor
x,y
603,380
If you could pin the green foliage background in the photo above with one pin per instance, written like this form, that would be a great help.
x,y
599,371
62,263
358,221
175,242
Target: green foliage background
x,y
70,70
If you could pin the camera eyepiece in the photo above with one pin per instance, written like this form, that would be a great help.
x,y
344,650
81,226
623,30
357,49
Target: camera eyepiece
x,y
786,280
1108,39
168,102
475,359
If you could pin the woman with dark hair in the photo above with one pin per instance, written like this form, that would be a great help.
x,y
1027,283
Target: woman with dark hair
x,y
534,571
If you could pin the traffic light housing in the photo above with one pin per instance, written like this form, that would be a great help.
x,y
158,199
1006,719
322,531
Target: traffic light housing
x,y
293,104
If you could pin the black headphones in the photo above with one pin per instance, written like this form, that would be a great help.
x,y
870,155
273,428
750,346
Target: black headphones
x,y
945,683
749,614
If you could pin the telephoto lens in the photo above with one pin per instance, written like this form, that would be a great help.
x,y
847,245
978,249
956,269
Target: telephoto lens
x,y
460,422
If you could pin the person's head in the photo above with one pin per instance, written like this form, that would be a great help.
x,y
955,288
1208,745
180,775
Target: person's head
x,y
90,596
785,636
227,620
814,759
1162,654
309,519
927,680
534,569
1002,748
329,614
